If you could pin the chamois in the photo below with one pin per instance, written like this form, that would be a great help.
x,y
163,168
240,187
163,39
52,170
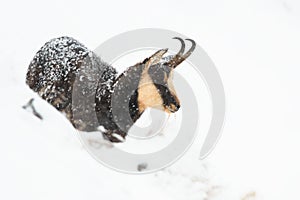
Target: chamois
x,y
63,67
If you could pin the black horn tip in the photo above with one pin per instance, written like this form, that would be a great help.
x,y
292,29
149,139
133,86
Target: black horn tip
x,y
182,45
190,51
177,38
192,41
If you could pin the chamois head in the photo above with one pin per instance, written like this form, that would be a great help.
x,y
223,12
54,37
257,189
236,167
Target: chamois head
x,y
156,89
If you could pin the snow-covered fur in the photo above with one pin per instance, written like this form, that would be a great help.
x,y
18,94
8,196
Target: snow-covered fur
x,y
88,91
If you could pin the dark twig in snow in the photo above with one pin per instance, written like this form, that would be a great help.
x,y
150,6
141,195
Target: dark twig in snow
x,y
142,167
30,105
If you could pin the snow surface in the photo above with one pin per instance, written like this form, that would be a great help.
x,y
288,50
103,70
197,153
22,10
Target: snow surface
x,y
254,44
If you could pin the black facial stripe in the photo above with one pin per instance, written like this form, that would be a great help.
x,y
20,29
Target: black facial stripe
x,y
165,94
158,75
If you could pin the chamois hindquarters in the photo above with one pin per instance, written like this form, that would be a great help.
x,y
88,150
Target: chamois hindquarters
x,y
64,68
51,73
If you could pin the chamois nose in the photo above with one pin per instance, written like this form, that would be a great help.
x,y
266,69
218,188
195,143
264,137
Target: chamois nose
x,y
174,107
177,106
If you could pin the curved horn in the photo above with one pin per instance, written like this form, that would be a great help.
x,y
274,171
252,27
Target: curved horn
x,y
190,51
179,57
182,45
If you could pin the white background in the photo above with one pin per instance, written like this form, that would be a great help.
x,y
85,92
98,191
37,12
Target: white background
x,y
255,46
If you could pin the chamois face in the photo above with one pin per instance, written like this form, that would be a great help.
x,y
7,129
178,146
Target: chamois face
x,y
156,87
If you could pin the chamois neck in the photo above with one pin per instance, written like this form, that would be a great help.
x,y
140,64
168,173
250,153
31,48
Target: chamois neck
x,y
124,99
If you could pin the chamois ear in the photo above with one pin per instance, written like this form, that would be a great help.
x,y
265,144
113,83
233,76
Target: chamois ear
x,y
155,58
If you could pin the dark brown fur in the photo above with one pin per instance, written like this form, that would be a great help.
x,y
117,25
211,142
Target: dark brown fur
x,y
88,91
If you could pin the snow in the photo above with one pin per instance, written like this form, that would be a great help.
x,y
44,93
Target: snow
x,y
254,44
